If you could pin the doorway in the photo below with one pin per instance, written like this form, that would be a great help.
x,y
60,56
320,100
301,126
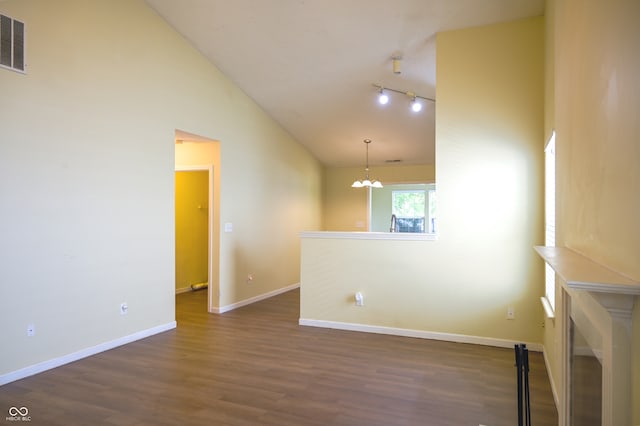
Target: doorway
x,y
192,230
199,153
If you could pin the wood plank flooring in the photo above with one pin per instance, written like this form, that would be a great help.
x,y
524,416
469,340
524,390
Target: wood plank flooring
x,y
257,366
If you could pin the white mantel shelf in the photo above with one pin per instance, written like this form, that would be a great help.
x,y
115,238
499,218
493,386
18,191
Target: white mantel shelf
x,y
582,273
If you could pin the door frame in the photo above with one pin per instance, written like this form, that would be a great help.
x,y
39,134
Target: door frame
x,y
210,235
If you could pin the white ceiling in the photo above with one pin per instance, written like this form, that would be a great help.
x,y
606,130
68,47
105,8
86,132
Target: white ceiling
x,y
310,64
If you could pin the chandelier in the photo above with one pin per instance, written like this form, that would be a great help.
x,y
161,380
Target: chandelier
x,y
367,182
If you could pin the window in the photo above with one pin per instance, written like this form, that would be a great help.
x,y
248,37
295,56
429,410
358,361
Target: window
x,y
11,43
549,299
409,207
431,224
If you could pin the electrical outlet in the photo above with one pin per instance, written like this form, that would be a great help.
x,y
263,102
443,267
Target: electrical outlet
x,y
511,313
31,330
124,308
249,278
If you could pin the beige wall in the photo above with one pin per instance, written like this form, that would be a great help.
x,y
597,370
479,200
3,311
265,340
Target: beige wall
x,y
346,208
86,176
593,99
489,155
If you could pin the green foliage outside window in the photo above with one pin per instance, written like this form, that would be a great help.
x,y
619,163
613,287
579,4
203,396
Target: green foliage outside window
x,y
408,203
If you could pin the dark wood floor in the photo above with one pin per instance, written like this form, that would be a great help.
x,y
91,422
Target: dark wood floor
x,y
256,366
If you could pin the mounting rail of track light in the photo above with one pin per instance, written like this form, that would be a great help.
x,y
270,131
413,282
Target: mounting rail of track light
x,y
383,98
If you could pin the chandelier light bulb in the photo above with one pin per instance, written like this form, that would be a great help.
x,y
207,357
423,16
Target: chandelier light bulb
x,y
383,98
416,106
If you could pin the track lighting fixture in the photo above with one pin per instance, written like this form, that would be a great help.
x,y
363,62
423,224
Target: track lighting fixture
x,y
367,182
383,98
416,105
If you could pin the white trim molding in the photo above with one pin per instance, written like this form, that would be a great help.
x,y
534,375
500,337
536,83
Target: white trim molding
x,y
395,236
554,390
420,334
249,301
84,353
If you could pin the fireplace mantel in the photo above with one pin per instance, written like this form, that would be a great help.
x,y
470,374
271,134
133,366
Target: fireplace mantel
x,y
582,273
587,285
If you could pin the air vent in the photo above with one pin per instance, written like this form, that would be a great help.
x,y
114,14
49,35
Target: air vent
x,y
396,160
12,44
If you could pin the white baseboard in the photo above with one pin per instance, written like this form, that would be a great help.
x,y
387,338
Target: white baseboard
x,y
554,391
183,290
227,308
420,334
84,353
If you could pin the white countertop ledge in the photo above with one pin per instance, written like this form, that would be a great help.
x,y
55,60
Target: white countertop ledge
x,y
392,236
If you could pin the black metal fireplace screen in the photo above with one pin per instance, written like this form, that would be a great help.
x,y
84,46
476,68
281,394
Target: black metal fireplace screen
x,y
524,402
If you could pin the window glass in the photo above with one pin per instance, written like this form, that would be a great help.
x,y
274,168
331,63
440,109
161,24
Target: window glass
x,y
413,205
409,207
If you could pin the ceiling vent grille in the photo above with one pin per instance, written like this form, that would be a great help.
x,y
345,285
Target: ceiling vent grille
x,y
12,37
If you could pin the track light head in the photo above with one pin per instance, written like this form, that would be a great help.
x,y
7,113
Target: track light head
x,y
416,106
416,100
383,98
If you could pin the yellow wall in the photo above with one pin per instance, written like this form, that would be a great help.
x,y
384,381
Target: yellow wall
x,y
346,208
192,228
489,128
87,178
489,156
593,99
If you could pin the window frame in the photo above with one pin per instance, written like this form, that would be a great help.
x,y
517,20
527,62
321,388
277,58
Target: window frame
x,y
13,44
549,298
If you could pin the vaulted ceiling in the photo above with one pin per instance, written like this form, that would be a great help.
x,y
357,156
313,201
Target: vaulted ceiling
x,y
311,64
